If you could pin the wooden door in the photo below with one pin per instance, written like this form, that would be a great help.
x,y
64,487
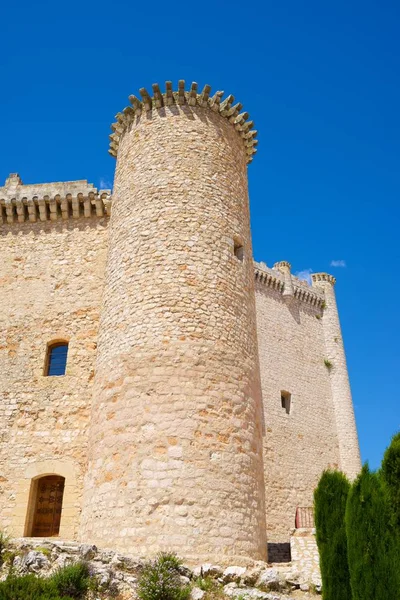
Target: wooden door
x,y
47,515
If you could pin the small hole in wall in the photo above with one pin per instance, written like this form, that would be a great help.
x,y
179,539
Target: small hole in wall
x,y
286,401
238,250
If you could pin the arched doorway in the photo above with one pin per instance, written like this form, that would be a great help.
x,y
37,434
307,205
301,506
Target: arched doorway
x,y
46,506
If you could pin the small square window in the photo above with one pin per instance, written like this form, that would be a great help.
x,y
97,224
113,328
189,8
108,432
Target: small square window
x,y
286,401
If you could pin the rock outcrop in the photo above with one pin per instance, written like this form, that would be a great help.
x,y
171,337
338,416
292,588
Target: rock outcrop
x,y
117,575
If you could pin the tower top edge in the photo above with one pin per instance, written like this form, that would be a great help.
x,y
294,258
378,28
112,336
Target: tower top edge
x,y
323,277
159,100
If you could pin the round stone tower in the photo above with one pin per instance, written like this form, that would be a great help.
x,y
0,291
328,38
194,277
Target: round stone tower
x,y
350,461
175,457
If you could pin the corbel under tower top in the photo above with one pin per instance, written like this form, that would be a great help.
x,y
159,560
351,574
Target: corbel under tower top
x,y
165,100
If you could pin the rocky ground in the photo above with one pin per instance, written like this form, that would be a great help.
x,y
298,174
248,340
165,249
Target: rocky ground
x,y
117,575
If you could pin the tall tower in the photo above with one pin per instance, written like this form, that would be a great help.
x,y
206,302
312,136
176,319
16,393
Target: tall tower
x,y
175,458
350,461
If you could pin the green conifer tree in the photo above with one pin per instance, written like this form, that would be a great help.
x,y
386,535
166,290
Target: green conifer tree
x,y
372,546
329,506
390,472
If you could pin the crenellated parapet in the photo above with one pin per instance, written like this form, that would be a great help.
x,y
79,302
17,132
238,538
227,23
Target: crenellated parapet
x,y
268,278
277,278
163,101
283,266
51,201
323,277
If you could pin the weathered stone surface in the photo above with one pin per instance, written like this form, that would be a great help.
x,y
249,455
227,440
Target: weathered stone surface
x,y
208,569
252,574
269,579
33,562
233,574
197,593
247,592
88,551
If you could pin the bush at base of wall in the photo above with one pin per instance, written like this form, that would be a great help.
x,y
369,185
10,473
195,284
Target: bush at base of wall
x,y
329,508
372,540
69,583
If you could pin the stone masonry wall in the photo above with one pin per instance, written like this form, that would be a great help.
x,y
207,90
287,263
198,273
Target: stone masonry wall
x,y
350,460
305,556
300,445
51,281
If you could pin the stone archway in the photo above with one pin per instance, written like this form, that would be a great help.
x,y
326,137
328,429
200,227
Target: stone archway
x,y
25,501
45,506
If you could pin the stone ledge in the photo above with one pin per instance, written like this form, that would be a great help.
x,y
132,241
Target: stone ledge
x,y
51,201
54,208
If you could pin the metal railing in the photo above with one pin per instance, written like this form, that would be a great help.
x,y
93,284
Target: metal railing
x,y
304,517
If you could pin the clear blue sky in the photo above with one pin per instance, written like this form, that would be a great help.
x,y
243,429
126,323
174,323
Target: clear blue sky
x,y
320,80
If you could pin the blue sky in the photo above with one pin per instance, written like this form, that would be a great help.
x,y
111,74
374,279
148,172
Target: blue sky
x,y
320,80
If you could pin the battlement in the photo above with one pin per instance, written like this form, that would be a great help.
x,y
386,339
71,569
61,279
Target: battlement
x,y
320,277
169,99
275,279
51,201
282,265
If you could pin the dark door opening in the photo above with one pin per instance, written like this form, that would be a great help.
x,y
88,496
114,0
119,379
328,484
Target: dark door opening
x,y
48,506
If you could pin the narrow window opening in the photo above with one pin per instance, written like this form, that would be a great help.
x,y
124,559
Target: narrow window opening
x,y
56,361
238,250
286,401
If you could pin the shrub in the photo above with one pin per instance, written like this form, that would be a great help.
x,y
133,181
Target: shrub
x,y
4,543
372,541
169,560
160,579
330,499
206,584
390,472
29,587
72,581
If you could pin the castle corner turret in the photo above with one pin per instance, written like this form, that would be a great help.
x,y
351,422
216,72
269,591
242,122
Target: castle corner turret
x,y
350,462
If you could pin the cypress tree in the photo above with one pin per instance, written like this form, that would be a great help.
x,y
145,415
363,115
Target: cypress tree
x,y
330,499
390,472
371,540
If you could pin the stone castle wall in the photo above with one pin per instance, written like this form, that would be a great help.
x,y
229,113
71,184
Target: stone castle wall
x,y
52,277
350,460
297,446
51,280
167,434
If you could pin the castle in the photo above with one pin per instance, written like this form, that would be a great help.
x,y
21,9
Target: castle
x,y
159,389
